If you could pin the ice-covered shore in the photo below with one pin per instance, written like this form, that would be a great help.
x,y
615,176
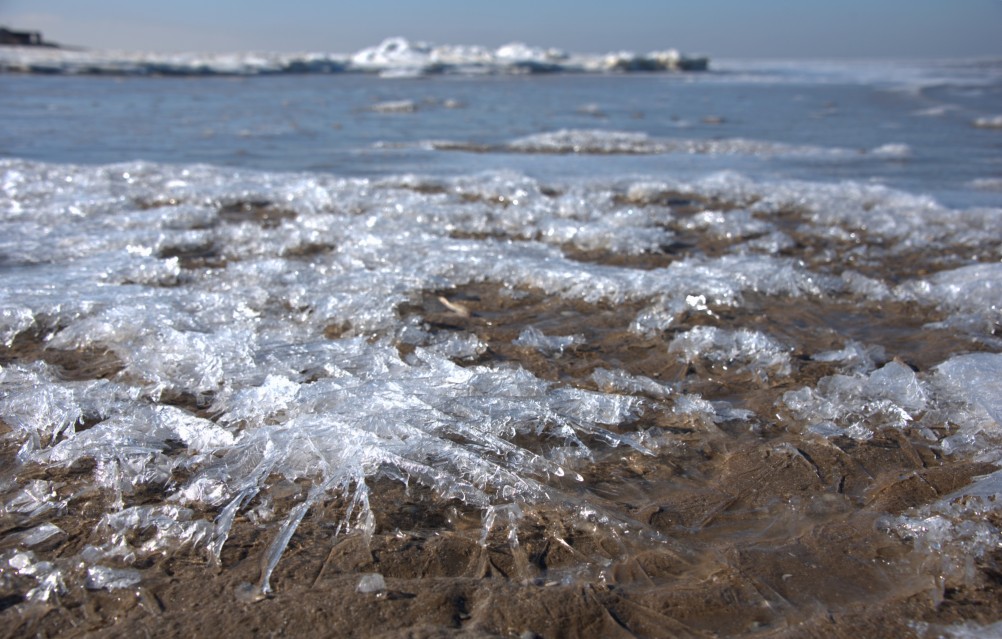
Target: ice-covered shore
x,y
251,329
393,57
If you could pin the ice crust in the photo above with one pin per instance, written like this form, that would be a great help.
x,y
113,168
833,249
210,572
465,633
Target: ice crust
x,y
963,391
611,142
394,57
960,528
853,405
96,260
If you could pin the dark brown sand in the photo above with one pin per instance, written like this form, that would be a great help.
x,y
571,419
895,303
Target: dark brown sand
x,y
763,533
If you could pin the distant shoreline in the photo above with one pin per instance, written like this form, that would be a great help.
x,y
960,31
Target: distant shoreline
x,y
15,38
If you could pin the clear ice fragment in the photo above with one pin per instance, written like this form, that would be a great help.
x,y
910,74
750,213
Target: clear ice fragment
x,y
39,534
372,582
48,577
105,578
14,320
743,347
548,345
858,405
978,378
623,382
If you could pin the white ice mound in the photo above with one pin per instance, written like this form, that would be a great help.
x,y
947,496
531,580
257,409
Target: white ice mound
x,y
393,53
104,578
518,56
618,381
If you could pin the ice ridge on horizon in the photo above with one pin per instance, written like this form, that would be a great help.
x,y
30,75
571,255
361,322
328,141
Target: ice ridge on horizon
x,y
393,57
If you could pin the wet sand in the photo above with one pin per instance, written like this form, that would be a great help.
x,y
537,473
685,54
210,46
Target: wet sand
x,y
742,528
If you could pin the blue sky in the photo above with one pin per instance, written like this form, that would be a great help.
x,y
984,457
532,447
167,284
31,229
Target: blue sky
x,y
722,28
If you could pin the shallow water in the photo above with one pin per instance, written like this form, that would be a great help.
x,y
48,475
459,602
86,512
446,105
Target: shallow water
x,y
628,331
886,127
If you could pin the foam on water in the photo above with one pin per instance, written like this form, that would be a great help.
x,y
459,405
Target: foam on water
x,y
252,333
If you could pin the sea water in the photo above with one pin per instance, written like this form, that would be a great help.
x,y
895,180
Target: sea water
x,y
244,247
904,125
